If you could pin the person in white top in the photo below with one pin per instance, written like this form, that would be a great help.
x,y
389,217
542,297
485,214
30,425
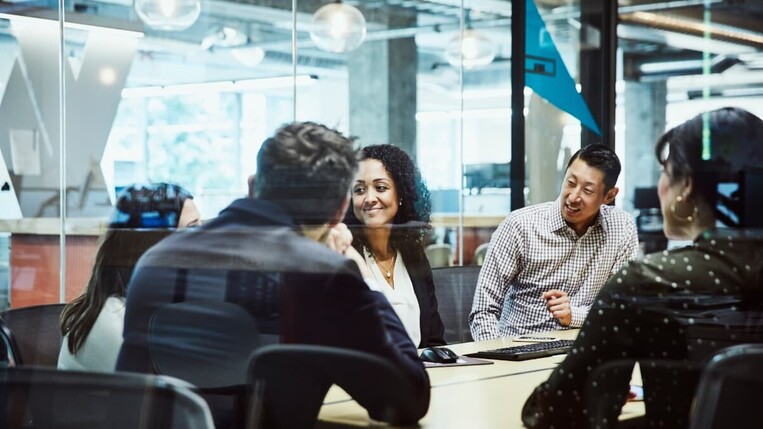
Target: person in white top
x,y
390,215
92,323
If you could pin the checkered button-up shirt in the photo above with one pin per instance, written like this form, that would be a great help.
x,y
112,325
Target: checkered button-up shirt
x,y
534,251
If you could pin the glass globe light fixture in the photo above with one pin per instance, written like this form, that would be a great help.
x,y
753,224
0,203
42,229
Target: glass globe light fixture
x,y
338,27
168,15
476,50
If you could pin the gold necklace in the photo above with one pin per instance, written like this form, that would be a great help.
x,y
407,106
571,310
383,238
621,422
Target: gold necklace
x,y
389,269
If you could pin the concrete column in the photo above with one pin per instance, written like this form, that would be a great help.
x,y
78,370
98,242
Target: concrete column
x,y
544,131
644,124
382,83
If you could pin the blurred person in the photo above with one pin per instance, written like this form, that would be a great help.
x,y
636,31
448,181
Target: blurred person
x,y
642,311
279,255
547,262
390,216
92,323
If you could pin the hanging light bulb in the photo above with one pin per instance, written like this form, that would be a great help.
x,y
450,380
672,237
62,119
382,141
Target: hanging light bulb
x,y
168,15
338,27
476,50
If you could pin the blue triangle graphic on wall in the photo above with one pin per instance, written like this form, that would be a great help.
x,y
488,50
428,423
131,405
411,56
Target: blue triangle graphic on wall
x,y
546,73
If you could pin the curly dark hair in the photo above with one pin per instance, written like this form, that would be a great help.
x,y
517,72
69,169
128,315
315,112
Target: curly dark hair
x,y
412,220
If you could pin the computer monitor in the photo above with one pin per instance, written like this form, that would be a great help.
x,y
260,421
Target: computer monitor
x,y
752,190
646,198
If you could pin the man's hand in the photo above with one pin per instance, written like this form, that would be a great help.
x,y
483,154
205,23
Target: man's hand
x,y
558,303
339,238
353,254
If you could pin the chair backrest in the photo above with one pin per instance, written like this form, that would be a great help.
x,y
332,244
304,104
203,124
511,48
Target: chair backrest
x,y
668,390
729,390
47,398
290,381
454,287
479,253
439,255
37,333
9,351
722,327
207,343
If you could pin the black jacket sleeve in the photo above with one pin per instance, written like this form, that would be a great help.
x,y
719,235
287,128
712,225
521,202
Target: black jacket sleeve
x,y
430,322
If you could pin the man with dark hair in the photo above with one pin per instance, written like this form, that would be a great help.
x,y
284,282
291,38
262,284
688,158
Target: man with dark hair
x,y
547,262
272,254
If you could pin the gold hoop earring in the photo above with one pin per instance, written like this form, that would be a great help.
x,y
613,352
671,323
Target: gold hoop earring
x,y
690,218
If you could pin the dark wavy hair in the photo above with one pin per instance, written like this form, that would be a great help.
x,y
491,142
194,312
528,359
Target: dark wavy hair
x,y
720,146
413,217
306,168
144,215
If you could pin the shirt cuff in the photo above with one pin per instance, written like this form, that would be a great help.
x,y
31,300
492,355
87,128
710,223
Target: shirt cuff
x,y
578,316
484,332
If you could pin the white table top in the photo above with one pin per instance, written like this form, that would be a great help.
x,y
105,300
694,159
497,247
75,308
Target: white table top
x,y
480,396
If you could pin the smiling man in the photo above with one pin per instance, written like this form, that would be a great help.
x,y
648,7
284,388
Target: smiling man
x,y
547,262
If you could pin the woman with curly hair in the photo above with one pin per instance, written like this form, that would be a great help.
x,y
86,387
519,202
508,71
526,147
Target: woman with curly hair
x,y
389,219
92,323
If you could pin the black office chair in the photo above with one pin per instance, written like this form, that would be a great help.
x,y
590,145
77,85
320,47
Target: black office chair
x,y
201,342
289,383
37,333
439,255
455,288
729,390
9,351
45,398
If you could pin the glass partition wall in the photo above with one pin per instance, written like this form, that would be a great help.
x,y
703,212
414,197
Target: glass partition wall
x,y
97,95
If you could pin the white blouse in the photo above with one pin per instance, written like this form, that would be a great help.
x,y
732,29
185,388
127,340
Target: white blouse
x,y
100,349
402,297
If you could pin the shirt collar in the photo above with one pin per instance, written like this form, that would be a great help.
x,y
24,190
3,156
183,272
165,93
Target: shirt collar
x,y
557,223
257,211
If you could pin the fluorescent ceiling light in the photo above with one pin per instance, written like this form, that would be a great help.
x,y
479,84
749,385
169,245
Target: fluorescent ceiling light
x,y
674,23
691,42
219,86
670,66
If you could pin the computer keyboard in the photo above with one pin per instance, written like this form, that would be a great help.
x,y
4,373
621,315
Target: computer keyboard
x,y
525,351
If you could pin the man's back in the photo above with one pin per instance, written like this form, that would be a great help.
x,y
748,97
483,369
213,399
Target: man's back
x,y
296,289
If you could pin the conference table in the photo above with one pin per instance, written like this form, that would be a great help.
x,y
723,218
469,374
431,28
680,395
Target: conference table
x,y
477,396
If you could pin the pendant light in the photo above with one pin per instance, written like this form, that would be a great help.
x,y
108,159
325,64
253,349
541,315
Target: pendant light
x,y
338,27
475,49
168,15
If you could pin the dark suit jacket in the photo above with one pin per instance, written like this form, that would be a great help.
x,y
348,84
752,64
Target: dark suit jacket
x,y
432,328
295,288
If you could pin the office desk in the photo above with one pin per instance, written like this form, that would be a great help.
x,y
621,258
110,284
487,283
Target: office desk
x,y
480,396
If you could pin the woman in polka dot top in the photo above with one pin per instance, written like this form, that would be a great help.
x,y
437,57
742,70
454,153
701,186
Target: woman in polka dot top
x,y
679,305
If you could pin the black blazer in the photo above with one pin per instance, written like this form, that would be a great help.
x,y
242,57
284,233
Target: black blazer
x,y
430,323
